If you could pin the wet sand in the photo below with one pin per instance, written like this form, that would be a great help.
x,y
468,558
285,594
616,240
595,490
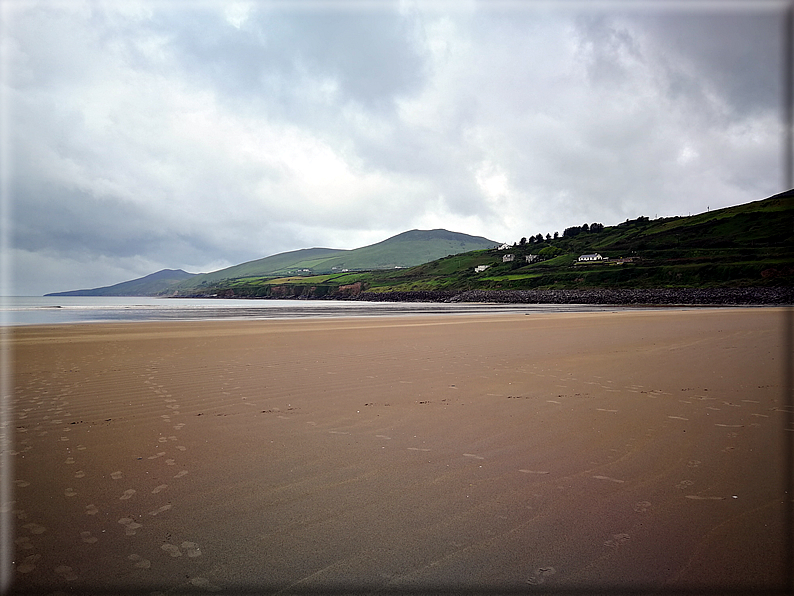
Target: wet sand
x,y
596,450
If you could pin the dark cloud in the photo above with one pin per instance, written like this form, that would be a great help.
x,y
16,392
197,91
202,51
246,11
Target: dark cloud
x,y
739,54
368,55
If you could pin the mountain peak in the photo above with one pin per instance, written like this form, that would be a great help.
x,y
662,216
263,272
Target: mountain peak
x,y
414,247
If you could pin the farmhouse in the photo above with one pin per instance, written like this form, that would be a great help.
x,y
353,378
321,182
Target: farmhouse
x,y
480,268
532,258
508,258
593,257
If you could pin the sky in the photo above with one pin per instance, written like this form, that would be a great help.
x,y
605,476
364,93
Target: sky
x,y
138,136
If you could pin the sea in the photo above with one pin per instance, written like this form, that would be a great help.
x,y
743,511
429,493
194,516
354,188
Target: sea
x,y
55,310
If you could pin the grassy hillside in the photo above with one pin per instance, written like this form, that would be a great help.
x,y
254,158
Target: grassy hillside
x,y
307,258
749,245
404,250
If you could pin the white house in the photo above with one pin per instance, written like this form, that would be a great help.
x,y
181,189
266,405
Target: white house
x,y
532,258
504,247
594,257
480,268
508,258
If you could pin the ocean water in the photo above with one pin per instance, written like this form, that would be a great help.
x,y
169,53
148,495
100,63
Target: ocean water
x,y
53,310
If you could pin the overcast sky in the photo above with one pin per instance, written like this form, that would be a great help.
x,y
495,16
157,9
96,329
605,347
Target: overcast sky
x,y
150,135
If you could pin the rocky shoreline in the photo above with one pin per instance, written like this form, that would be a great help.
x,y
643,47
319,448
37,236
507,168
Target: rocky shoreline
x,y
670,296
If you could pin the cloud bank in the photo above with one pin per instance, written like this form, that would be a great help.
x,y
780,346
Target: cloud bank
x,y
145,135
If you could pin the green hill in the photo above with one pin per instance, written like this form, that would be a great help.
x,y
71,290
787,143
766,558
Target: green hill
x,y
150,285
285,262
750,245
403,250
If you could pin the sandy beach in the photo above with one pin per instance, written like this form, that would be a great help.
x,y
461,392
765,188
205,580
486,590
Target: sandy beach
x,y
596,450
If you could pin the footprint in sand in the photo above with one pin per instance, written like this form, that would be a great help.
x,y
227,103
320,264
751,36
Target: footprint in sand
x,y
170,462
70,492
116,475
66,572
91,509
128,494
180,474
24,543
181,447
160,510
192,549
79,474
609,479
172,550
140,562
69,461
158,489
540,575
35,528
684,484
28,564
616,540
87,537
130,526
203,582
22,483
642,506
693,463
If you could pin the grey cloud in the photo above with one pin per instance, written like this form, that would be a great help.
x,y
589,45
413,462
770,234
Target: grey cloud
x,y
604,47
367,53
162,134
739,53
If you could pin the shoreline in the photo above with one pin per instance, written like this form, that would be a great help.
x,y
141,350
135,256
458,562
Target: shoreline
x,y
624,297
591,296
631,450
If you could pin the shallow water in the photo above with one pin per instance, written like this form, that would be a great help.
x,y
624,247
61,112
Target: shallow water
x,y
52,310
